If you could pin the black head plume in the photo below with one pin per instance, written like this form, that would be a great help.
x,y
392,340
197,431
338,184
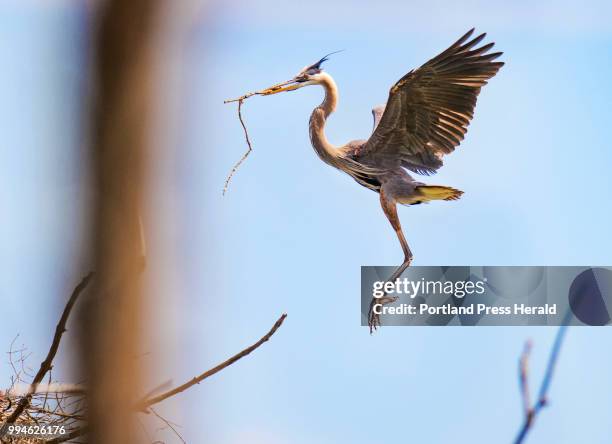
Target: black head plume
x,y
317,66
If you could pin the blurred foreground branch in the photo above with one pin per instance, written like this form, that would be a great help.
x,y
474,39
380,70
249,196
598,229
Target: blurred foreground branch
x,y
125,43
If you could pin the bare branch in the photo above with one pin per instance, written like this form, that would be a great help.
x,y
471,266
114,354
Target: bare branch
x,y
45,366
532,411
50,413
21,389
146,403
524,377
242,98
49,382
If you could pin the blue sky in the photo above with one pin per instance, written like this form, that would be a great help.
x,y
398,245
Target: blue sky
x,y
291,233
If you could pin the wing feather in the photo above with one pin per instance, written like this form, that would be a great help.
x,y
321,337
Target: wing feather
x,y
429,109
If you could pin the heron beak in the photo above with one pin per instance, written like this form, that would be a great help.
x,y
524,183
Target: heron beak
x,y
289,85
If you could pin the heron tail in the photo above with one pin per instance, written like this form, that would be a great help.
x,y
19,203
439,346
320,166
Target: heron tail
x,y
437,192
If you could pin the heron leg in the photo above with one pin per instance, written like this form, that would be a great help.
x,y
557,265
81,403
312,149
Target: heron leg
x,y
389,206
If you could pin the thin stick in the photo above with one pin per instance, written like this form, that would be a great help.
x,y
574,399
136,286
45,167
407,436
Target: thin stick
x,y
169,425
56,413
145,404
21,389
241,98
45,366
263,92
246,136
532,412
47,394
524,378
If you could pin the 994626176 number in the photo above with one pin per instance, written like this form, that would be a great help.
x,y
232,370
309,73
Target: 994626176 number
x,y
32,430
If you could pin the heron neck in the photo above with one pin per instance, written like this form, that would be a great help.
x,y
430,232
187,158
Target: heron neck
x,y
326,151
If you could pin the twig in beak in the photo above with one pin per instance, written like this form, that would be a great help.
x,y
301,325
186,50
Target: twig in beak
x,y
264,92
241,98
246,136
285,86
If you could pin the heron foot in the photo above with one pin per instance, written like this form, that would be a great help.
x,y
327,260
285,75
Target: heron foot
x,y
373,317
375,305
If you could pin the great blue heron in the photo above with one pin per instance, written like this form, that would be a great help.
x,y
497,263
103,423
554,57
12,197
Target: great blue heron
x,y
426,116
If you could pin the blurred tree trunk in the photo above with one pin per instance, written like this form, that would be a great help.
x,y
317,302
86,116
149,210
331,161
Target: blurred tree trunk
x,y
111,320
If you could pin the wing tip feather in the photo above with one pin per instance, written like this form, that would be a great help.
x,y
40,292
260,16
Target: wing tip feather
x,y
464,37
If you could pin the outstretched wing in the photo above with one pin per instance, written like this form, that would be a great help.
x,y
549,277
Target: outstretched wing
x,y
429,110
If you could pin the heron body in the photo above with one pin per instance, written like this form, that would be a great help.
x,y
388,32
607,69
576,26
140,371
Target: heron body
x,y
426,116
387,178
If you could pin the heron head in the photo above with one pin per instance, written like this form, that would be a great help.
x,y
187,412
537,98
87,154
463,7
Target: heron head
x,y
309,75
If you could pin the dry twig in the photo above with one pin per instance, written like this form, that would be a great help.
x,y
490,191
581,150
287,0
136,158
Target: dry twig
x,y
532,411
168,424
45,366
240,100
146,403
248,141
21,389
524,378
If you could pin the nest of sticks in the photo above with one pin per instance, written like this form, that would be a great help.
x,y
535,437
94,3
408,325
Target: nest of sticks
x,y
49,405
